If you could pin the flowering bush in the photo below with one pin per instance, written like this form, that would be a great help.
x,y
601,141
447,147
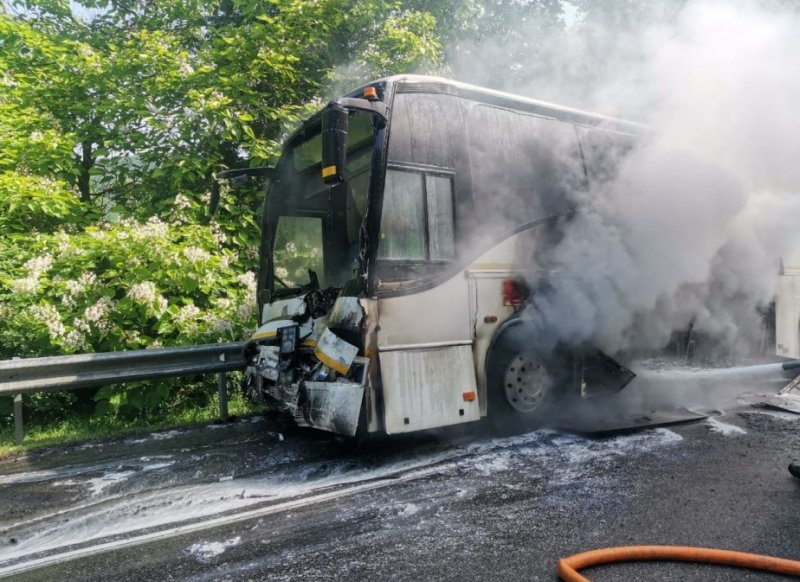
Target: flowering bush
x,y
122,285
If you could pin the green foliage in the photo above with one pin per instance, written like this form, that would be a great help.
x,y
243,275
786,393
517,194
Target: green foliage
x,y
114,117
123,285
80,426
38,203
161,96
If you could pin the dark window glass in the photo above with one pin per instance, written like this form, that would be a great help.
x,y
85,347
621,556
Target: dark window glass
x,y
422,129
299,199
440,217
417,218
523,167
298,248
403,217
308,153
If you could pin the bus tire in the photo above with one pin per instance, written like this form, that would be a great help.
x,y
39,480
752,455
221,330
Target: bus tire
x,y
522,386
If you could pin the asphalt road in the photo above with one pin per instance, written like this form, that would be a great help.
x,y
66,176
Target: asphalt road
x,y
455,505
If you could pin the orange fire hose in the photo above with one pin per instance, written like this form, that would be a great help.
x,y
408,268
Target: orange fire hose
x,y
568,567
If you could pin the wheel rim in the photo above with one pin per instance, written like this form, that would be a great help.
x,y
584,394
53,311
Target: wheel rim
x,y
526,383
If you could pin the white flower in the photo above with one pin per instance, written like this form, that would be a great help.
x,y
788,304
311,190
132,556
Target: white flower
x,y
85,51
155,345
8,80
181,202
224,303
196,255
38,265
49,316
247,279
221,325
161,305
281,273
131,335
62,239
291,249
144,293
81,325
187,313
75,340
154,228
219,236
98,312
245,311
77,286
26,285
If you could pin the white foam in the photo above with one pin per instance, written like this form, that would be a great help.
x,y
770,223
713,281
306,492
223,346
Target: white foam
x,y
724,428
156,436
99,484
493,464
109,478
408,509
133,512
205,551
160,436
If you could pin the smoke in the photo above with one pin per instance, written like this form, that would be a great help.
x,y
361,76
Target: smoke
x,y
690,225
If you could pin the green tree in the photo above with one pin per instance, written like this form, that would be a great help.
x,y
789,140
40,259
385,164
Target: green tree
x,y
115,114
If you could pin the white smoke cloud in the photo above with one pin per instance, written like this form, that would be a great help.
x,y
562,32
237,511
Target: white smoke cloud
x,y
693,226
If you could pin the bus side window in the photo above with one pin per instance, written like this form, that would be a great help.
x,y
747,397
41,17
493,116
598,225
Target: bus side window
x,y
523,167
403,217
417,217
440,217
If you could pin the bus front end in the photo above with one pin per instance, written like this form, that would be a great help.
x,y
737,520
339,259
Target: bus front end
x,y
308,355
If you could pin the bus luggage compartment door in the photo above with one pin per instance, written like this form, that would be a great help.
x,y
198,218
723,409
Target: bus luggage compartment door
x,y
427,366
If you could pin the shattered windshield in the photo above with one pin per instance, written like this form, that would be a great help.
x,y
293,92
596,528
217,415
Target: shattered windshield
x,y
315,227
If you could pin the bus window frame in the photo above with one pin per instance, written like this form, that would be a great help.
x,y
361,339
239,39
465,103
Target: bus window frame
x,y
423,170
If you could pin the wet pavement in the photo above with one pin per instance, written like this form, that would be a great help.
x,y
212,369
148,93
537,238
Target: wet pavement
x,y
451,505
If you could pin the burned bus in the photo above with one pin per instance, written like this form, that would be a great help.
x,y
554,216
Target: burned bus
x,y
400,239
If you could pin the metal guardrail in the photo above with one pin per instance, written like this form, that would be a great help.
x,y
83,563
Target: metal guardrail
x,y
23,376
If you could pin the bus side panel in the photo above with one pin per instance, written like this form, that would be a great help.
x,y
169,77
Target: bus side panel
x,y
487,312
425,350
787,310
427,388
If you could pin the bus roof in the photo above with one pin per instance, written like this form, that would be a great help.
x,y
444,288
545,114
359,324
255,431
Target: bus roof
x,y
426,83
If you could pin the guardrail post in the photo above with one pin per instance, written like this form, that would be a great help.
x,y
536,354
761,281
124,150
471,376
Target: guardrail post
x,y
223,396
19,431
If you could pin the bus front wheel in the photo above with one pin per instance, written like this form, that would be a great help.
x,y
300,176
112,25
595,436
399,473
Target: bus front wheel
x,y
521,384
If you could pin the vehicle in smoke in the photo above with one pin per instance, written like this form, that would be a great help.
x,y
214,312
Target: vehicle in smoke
x,y
787,308
402,241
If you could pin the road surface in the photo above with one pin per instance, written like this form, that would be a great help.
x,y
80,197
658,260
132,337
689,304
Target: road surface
x,y
258,500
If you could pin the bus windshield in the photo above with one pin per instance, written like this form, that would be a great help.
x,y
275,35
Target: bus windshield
x,y
314,228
